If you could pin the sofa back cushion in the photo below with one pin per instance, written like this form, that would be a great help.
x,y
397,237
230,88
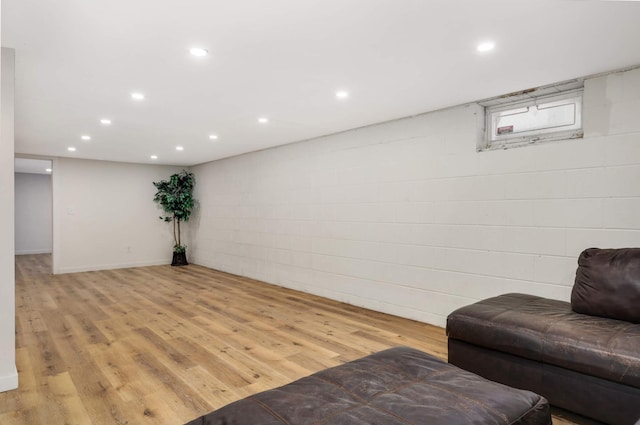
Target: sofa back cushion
x,y
608,284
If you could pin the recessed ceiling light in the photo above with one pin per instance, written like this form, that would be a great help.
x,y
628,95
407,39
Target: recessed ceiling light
x,y
179,148
263,120
105,121
486,46
137,96
213,136
85,137
71,149
154,156
48,170
342,94
198,51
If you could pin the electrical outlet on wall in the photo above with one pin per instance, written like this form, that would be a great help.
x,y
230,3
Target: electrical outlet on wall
x,y
128,249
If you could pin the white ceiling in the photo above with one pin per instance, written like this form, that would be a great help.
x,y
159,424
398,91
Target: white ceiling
x,y
78,61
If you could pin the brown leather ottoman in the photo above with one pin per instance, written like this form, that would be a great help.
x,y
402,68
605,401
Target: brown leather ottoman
x,y
399,386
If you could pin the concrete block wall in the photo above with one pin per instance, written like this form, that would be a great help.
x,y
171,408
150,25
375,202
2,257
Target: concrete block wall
x,y
406,217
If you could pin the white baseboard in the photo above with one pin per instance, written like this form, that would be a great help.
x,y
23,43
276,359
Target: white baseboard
x,y
33,251
9,382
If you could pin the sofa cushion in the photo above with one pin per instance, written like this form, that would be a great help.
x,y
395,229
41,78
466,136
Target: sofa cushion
x,y
548,331
608,284
398,386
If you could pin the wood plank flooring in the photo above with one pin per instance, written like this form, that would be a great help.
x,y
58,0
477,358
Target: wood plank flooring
x,y
163,345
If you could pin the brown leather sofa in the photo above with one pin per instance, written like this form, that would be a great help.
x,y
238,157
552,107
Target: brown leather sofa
x,y
583,356
398,386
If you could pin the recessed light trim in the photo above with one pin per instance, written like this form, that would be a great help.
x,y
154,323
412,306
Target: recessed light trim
x,y
137,96
486,46
85,137
71,149
154,156
198,51
48,170
342,94
179,148
263,120
213,136
105,121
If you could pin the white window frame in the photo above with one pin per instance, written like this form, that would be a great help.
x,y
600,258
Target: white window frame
x,y
494,140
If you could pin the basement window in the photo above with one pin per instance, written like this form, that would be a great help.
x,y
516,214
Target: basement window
x,y
532,116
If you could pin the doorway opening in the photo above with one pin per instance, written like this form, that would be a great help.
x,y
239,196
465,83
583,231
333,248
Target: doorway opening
x,y
34,209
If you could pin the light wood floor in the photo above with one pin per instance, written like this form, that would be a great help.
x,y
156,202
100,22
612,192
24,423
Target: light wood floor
x,y
163,345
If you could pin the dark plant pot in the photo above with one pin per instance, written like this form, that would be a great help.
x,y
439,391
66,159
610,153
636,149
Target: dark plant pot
x,y
179,259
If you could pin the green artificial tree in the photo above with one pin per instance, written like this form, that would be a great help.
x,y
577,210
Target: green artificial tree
x,y
175,196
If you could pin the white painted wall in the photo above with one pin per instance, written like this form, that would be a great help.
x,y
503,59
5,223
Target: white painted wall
x,y
33,216
407,218
104,216
8,372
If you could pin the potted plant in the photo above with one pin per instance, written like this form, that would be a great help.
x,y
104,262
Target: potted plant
x,y
175,196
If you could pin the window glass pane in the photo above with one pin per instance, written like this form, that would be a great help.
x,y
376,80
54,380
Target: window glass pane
x,y
536,117
550,117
